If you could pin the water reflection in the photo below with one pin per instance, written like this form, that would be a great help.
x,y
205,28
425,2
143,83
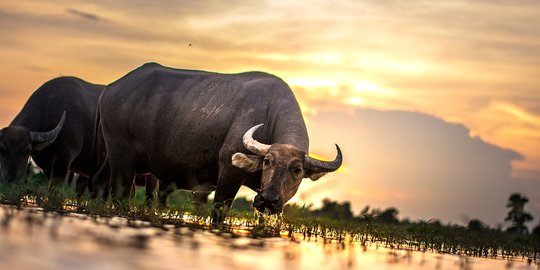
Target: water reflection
x,y
34,239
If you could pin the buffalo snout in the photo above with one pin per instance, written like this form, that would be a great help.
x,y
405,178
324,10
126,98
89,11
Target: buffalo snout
x,y
268,203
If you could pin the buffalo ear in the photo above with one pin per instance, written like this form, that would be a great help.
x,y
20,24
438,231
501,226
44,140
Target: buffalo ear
x,y
313,175
248,163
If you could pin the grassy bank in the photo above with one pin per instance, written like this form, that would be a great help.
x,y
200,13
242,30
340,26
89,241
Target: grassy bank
x,y
296,222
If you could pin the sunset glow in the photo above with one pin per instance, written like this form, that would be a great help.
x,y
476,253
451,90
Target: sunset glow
x,y
469,65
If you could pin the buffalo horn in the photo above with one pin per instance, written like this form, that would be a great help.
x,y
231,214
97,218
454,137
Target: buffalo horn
x,y
253,145
324,166
48,136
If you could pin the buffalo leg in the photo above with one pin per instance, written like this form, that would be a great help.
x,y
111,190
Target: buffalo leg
x,y
164,191
199,198
80,185
122,177
58,174
121,183
101,181
70,178
151,183
80,182
142,181
45,164
229,183
121,159
154,189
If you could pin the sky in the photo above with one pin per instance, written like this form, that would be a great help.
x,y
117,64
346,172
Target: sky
x,y
436,104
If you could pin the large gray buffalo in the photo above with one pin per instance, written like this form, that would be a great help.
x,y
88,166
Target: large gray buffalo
x,y
55,127
202,131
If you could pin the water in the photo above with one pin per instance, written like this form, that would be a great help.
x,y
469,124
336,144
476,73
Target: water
x,y
33,239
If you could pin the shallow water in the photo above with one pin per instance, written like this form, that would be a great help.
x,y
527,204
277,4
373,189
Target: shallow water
x,y
33,239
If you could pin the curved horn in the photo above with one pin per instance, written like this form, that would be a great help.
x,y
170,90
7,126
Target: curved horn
x,y
253,145
325,166
48,136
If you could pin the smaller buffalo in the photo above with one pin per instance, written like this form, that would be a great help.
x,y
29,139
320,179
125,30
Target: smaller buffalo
x,y
55,128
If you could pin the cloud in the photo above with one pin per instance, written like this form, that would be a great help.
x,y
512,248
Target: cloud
x,y
426,167
518,112
85,15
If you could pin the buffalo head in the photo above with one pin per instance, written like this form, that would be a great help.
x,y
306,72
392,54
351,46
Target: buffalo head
x,y
283,166
16,145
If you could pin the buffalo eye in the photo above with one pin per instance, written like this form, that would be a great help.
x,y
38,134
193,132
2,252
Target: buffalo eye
x,y
297,170
266,162
28,150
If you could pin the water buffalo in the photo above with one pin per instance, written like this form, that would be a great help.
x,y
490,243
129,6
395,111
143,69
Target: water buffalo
x,y
197,129
55,127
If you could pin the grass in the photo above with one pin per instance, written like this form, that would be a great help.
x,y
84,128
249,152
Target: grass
x,y
296,223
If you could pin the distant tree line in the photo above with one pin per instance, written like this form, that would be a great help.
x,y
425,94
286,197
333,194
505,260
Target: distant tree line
x,y
372,224
517,216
